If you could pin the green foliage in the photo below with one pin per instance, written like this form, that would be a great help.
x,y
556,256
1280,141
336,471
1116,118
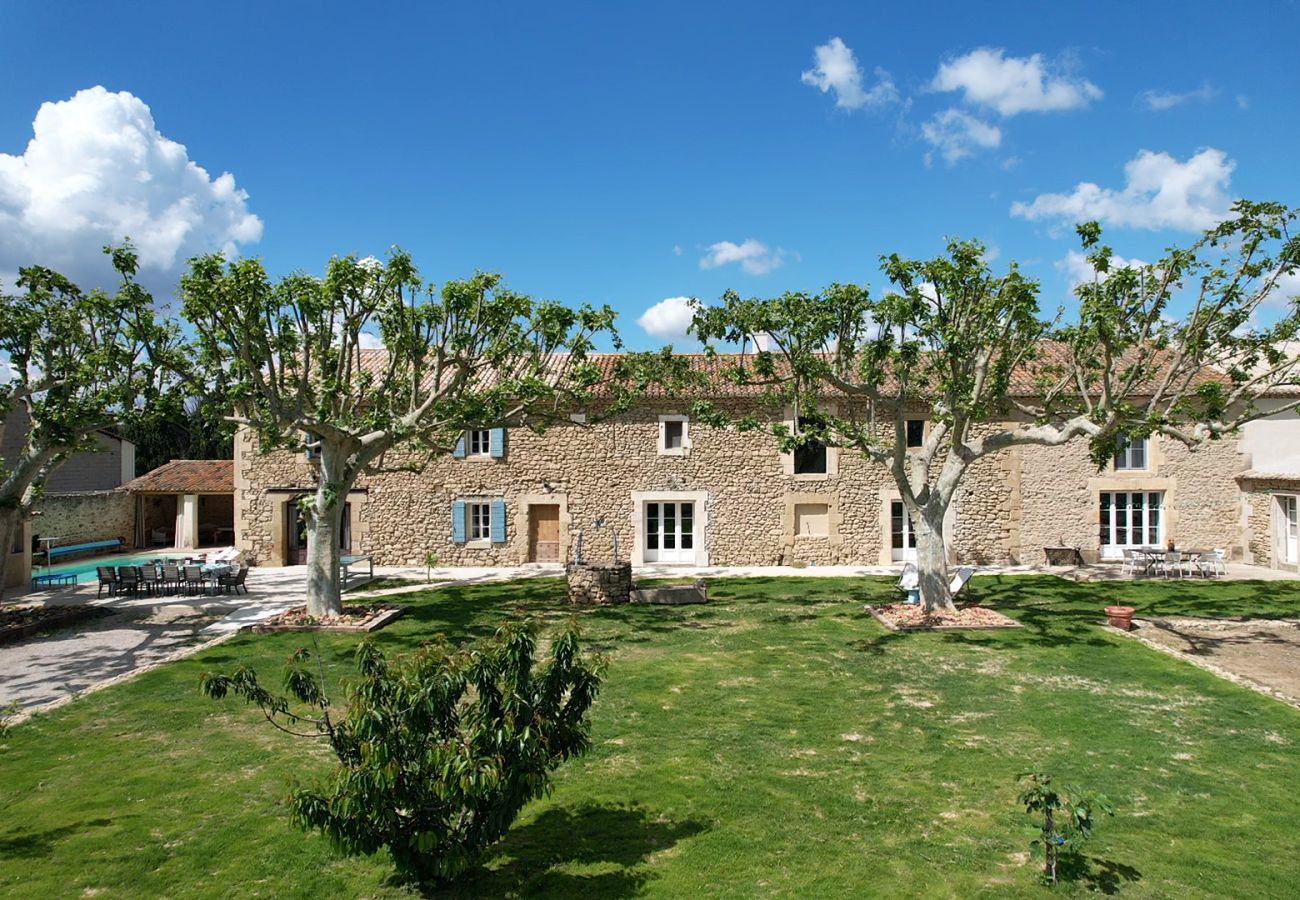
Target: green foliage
x,y
439,749
176,425
1068,818
78,362
298,360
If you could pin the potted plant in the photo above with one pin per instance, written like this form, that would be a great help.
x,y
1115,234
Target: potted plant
x,y
1120,617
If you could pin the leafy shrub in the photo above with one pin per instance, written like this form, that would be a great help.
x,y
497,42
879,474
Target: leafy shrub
x,y
438,749
1069,816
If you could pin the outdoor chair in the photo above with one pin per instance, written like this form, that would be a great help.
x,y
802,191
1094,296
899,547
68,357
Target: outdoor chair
x,y
1215,562
171,578
128,580
234,582
960,580
1134,562
152,578
1171,563
910,583
107,579
194,580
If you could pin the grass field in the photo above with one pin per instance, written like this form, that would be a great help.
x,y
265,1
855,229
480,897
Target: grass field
x,y
776,742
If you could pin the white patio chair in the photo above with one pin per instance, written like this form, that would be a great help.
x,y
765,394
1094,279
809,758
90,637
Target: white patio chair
x,y
1215,563
1172,562
1134,562
910,583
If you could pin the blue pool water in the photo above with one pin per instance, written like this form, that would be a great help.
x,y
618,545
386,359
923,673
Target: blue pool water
x,y
84,569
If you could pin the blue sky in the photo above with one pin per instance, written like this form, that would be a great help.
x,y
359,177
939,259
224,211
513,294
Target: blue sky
x,y
618,154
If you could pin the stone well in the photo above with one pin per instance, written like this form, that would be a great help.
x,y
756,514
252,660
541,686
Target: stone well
x,y
599,582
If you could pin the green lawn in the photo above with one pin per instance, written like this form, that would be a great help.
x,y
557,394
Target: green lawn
x,y
774,742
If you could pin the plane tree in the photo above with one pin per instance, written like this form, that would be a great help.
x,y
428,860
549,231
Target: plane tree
x,y
369,368
74,364
1175,347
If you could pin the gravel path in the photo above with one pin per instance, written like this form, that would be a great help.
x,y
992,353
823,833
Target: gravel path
x,y
65,662
1259,653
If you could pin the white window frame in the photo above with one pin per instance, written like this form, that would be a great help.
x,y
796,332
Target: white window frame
x,y
1124,454
478,443
664,449
906,553
1288,506
700,517
1110,548
478,521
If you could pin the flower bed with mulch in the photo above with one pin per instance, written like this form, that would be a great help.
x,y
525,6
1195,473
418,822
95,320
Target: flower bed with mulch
x,y
913,617
23,621
358,617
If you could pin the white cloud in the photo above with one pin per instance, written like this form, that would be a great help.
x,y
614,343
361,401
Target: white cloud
x,y
677,249
1158,101
1012,84
754,257
956,134
835,68
368,341
1159,192
669,319
1243,102
98,171
1078,270
1285,291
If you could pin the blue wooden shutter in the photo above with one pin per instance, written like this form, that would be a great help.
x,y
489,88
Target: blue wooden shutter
x,y
459,451
498,521
458,522
497,444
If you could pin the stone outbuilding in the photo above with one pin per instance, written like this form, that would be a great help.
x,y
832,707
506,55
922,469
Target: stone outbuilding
x,y
184,504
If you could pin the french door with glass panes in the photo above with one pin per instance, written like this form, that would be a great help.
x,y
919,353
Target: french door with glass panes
x,y
669,531
1130,519
902,536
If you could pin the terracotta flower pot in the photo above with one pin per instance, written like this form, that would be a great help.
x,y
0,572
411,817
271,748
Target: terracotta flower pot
x,y
1120,616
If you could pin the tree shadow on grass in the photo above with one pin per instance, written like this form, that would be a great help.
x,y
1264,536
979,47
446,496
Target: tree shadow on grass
x,y
610,841
36,844
1103,876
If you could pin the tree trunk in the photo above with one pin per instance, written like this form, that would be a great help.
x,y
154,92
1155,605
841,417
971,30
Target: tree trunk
x,y
932,559
10,521
324,531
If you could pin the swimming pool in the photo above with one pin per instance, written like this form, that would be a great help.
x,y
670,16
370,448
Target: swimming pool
x,y
85,569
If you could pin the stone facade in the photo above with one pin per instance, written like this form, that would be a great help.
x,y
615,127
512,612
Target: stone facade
x,y
1060,489
1264,521
746,504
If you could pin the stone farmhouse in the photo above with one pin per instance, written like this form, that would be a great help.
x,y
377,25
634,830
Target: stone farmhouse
x,y
674,491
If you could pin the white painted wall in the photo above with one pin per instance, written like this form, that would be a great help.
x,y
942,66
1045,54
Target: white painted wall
x,y
1273,444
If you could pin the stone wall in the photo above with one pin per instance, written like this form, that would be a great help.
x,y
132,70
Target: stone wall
x,y
1011,505
77,518
1262,524
1060,491
601,584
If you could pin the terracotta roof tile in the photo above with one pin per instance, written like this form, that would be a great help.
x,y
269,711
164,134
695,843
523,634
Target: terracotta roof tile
x,y
186,476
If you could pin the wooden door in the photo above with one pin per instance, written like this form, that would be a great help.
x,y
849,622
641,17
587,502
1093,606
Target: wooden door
x,y
544,532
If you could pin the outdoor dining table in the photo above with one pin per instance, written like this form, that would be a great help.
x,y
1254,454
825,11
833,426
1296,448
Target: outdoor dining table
x,y
212,573
1153,556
